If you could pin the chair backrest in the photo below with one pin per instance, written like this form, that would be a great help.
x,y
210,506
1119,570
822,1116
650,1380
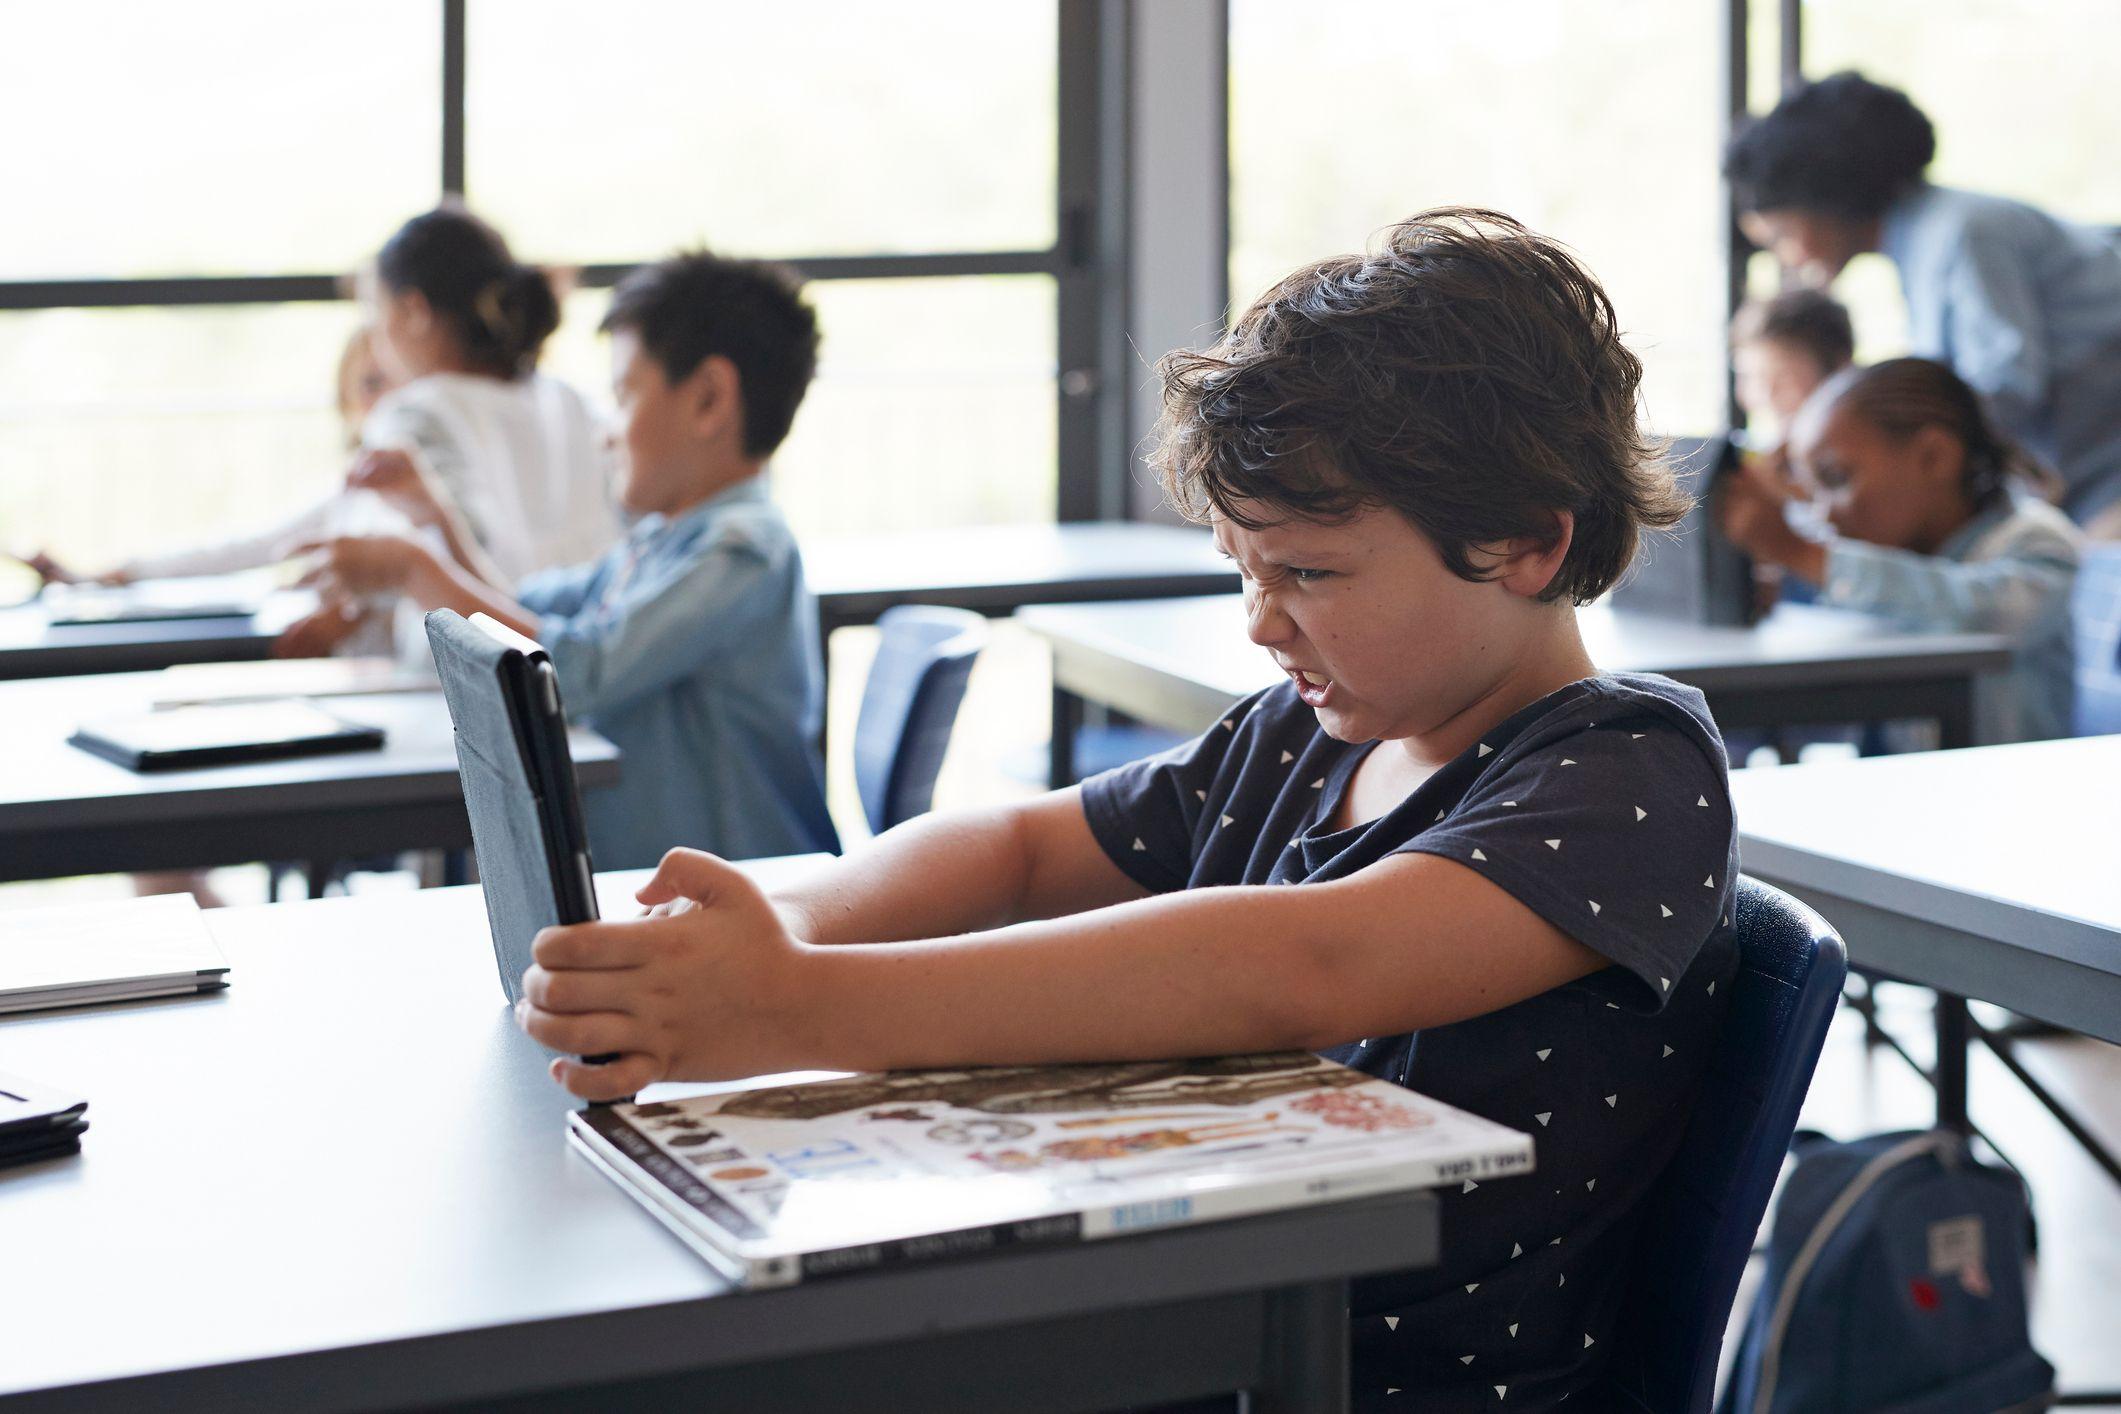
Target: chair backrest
x,y
909,706
1699,1222
2095,627
1691,572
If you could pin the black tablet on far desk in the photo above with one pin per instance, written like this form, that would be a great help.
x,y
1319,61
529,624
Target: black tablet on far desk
x,y
519,785
184,737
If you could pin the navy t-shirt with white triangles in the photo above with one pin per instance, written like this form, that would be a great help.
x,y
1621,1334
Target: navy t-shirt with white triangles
x,y
1604,808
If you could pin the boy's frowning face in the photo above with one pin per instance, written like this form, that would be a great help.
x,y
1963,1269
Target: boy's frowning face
x,y
1382,640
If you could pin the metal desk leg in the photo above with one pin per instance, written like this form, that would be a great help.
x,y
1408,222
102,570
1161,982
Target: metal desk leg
x,y
1953,1036
1067,721
319,871
1306,1365
1955,727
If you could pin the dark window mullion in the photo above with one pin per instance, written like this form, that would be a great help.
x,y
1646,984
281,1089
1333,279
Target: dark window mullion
x,y
453,97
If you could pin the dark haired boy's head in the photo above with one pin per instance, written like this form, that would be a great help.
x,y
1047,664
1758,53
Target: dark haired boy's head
x,y
1467,374
711,358
1783,348
1813,177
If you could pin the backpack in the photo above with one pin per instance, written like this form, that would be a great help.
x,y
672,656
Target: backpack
x,y
1895,1285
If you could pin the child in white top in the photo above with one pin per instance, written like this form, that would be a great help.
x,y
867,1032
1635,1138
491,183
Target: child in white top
x,y
460,323
468,443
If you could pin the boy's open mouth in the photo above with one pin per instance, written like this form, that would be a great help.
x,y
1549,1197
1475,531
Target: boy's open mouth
x,y
1312,688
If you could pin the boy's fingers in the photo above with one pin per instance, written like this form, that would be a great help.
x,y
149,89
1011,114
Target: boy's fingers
x,y
590,945
593,1033
614,1081
693,874
580,990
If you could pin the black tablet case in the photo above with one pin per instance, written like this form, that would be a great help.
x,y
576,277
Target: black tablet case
x,y
37,1122
519,786
116,739
1692,571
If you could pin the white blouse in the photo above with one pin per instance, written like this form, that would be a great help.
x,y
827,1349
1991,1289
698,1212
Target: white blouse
x,y
524,460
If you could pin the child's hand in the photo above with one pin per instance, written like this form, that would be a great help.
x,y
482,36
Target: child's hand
x,y
1750,505
701,989
354,565
316,634
399,478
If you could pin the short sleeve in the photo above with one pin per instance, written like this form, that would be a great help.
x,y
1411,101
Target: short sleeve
x,y
1146,814
1620,834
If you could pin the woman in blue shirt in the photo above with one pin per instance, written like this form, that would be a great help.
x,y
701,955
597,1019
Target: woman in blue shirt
x,y
2023,306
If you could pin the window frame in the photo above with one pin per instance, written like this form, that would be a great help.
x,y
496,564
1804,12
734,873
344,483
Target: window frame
x,y
1086,261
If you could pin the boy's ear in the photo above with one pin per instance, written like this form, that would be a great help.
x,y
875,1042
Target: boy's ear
x,y
711,398
1526,564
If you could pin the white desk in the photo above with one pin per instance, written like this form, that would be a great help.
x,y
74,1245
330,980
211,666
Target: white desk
x,y
64,811
1179,663
994,569
344,1183
1988,874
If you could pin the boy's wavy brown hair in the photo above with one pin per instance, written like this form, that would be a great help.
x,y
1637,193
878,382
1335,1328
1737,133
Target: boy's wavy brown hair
x,y
1468,374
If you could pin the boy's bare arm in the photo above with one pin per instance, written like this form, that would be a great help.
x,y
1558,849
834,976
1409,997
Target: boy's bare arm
x,y
724,990
941,875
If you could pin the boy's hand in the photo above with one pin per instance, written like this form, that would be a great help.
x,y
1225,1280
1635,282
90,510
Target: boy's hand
x,y
398,478
700,989
354,565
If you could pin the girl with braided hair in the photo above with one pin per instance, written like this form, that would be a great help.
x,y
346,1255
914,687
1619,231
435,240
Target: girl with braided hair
x,y
1936,523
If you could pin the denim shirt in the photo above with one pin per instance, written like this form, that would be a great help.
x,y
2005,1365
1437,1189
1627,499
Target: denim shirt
x,y
2027,309
2008,570
693,646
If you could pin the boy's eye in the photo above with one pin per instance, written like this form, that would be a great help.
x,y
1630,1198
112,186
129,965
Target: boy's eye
x,y
1307,576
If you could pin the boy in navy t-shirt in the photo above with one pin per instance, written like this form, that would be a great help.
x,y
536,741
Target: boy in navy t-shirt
x,y
1513,872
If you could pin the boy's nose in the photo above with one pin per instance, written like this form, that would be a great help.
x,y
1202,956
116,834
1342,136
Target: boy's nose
x,y
1265,622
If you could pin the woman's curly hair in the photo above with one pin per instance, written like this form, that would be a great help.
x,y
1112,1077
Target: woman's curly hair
x,y
1468,374
1843,146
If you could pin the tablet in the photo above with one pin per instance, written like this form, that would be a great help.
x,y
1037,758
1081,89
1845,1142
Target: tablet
x,y
223,734
519,786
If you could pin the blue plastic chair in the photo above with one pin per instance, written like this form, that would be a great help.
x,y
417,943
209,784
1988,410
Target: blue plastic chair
x,y
909,706
2095,626
1699,1222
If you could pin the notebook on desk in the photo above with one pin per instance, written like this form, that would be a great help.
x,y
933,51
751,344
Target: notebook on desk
x,y
118,950
776,1183
222,734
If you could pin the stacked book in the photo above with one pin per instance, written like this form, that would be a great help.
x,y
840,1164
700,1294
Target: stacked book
x,y
777,1183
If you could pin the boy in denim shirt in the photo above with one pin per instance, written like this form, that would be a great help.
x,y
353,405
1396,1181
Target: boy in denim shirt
x,y
693,643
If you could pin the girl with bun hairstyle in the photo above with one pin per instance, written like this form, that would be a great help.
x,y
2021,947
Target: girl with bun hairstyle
x,y
1936,525
2023,306
507,464
471,445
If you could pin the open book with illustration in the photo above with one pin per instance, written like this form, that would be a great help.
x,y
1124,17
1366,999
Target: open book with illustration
x,y
780,1183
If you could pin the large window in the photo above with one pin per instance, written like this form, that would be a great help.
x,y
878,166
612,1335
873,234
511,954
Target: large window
x,y
170,321
1596,124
